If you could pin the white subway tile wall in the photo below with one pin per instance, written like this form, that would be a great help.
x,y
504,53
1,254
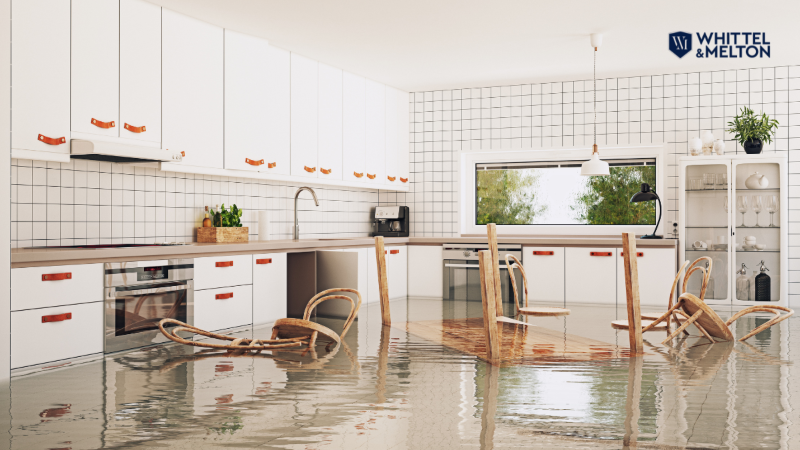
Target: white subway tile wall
x,y
90,202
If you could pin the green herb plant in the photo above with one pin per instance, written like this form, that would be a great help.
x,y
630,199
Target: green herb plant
x,y
749,126
225,218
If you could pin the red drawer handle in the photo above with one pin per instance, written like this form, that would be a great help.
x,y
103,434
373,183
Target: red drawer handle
x,y
542,253
391,178
325,171
224,296
264,261
134,129
100,124
394,252
310,169
638,254
600,253
182,154
225,264
253,162
57,318
358,175
271,165
51,141
404,180
57,276
371,177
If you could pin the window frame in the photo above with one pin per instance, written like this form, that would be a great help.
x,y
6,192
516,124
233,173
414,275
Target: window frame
x,y
470,159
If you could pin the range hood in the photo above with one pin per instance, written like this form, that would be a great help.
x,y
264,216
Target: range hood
x,y
120,153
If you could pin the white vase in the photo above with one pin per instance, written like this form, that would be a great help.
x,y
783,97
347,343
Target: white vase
x,y
719,147
695,146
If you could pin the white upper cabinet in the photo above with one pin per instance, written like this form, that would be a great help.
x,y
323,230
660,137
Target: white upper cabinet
x,y
376,133
305,85
354,127
95,67
392,143
277,127
246,97
329,150
192,83
139,71
40,70
403,134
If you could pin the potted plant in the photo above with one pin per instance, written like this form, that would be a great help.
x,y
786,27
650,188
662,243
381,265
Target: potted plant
x,y
751,130
226,226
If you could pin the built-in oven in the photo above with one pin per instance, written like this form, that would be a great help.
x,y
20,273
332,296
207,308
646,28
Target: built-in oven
x,y
462,280
139,294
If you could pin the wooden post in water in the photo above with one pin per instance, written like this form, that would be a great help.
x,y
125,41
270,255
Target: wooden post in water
x,y
632,293
485,261
383,281
491,231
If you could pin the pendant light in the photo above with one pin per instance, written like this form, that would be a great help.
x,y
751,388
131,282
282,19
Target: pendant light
x,y
595,167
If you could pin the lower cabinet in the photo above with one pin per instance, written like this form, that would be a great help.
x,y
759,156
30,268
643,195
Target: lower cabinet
x,y
425,271
221,308
396,273
590,275
656,268
269,287
544,267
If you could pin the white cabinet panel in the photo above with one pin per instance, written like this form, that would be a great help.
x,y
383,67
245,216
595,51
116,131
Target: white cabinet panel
x,y
193,89
221,308
277,127
397,271
392,143
425,271
305,85
246,95
269,287
656,268
403,136
40,70
544,267
218,271
373,289
43,287
354,127
139,71
591,275
329,149
375,133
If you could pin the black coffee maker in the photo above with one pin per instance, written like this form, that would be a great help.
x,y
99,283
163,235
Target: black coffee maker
x,y
390,221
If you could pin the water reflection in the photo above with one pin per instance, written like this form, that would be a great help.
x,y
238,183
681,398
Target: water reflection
x,y
387,388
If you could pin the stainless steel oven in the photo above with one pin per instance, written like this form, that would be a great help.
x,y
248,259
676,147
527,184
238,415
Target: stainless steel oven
x,y
462,279
139,294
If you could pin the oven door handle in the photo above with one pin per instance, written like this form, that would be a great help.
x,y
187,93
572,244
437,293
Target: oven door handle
x,y
157,290
469,266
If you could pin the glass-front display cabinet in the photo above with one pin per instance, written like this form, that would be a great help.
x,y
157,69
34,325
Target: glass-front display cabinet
x,y
733,209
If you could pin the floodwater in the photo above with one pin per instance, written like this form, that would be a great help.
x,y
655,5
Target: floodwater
x,y
389,389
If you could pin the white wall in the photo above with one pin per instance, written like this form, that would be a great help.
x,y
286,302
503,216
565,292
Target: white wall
x,y
5,168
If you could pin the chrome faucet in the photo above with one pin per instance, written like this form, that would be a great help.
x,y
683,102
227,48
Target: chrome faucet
x,y
297,194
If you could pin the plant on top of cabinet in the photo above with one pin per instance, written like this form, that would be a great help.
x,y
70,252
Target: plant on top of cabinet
x,y
751,130
227,226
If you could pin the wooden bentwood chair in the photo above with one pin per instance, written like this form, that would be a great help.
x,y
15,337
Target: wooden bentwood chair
x,y
529,310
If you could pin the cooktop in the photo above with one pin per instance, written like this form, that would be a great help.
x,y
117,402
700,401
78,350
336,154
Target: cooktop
x,y
101,246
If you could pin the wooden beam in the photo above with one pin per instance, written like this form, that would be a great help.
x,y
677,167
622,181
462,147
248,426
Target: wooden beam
x,y
383,281
491,231
632,293
489,310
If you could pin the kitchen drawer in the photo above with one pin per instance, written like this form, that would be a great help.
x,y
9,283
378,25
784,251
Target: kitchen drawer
x,y
544,267
397,271
220,271
590,275
269,287
76,330
221,308
656,268
64,285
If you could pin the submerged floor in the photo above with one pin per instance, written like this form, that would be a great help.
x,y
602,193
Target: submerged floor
x,y
390,389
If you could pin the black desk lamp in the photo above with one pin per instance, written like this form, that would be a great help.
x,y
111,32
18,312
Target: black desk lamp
x,y
645,196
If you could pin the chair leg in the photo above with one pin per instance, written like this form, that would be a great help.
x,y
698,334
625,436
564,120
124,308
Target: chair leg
x,y
683,326
274,334
767,325
313,340
663,317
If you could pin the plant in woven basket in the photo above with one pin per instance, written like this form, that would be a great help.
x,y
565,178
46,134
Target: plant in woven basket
x,y
225,218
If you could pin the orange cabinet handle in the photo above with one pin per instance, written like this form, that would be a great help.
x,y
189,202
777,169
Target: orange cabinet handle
x,y
225,264
100,124
264,261
600,253
638,254
182,154
57,276
253,162
371,177
394,252
271,165
224,296
310,169
325,171
391,178
404,180
52,141
542,253
134,129
358,175
57,318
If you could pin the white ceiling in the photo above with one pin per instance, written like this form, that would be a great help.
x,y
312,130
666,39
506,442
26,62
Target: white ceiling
x,y
430,44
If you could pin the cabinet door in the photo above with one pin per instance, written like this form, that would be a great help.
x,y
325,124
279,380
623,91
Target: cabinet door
x,y
95,67
277,128
269,287
392,144
246,69
354,127
590,275
221,308
329,152
305,84
40,70
403,147
373,290
139,71
656,268
192,89
397,271
376,133
544,267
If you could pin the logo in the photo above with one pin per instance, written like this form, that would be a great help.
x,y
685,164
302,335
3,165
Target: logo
x,y
680,43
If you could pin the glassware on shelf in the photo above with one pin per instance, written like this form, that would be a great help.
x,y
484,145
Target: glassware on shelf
x,y
771,205
722,180
709,179
741,206
725,205
696,184
762,287
757,205
742,284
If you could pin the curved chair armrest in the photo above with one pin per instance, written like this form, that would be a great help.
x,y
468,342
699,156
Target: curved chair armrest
x,y
706,275
324,296
775,309
517,265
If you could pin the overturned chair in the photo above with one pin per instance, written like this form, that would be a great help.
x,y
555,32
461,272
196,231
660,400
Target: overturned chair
x,y
527,309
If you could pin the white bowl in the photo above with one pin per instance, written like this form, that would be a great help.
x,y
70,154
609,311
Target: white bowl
x,y
760,247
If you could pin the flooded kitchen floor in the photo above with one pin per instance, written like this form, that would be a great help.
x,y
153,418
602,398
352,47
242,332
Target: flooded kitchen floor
x,y
390,389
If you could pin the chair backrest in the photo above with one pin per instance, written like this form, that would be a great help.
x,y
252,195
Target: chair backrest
x,y
706,275
675,283
511,267
324,296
